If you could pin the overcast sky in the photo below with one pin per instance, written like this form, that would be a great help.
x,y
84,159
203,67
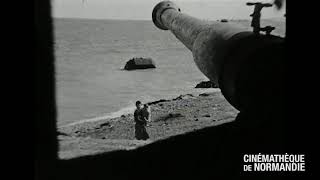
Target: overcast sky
x,y
142,9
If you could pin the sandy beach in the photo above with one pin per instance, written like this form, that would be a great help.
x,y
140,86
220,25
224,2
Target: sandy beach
x,y
180,115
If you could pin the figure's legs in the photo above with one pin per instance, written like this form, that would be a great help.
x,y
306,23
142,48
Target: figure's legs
x,y
144,133
138,133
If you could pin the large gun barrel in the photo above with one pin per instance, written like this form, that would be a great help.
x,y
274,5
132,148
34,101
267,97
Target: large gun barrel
x,y
247,67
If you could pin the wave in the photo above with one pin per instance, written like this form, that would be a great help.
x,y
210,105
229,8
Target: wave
x,y
122,111
126,110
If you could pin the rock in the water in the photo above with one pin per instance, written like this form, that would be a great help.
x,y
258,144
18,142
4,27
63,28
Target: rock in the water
x,y
223,20
139,63
206,84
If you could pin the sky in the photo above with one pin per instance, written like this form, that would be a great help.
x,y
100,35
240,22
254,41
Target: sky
x,y
142,9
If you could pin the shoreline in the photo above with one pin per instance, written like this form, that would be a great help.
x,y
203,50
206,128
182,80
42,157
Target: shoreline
x,y
129,109
111,115
169,117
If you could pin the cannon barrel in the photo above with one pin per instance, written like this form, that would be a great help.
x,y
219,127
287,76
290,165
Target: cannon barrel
x,y
247,67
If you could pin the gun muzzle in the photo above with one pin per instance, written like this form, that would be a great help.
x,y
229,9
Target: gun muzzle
x,y
247,67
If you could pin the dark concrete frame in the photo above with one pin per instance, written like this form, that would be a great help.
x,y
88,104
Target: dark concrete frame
x,y
206,153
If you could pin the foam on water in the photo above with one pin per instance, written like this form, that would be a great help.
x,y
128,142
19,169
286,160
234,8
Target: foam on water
x,y
123,111
126,110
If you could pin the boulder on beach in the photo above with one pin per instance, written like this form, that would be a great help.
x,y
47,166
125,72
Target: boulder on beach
x,y
206,84
139,63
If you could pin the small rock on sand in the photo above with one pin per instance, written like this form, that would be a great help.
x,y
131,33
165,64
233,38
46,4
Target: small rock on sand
x,y
206,84
206,115
172,115
105,124
204,94
156,102
62,133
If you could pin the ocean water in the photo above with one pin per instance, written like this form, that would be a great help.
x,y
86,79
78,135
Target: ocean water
x,y
90,55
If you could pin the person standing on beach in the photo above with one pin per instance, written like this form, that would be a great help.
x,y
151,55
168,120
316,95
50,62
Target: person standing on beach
x,y
140,123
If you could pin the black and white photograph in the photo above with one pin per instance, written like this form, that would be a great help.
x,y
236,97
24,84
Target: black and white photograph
x,y
152,89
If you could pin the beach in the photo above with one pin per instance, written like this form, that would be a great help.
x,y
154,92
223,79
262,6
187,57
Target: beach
x,y
95,96
183,114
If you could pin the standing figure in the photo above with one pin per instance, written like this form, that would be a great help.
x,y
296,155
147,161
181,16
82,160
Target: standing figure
x,y
140,123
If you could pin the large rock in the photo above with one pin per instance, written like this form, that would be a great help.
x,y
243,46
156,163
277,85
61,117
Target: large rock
x,y
206,84
223,20
139,63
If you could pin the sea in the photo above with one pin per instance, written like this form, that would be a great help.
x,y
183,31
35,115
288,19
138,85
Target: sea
x,y
90,55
